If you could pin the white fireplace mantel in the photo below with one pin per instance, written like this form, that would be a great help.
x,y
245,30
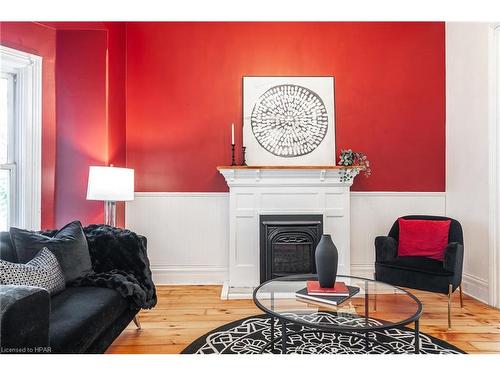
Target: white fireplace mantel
x,y
263,190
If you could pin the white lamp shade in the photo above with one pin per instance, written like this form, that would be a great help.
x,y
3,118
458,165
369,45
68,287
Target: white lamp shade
x,y
110,184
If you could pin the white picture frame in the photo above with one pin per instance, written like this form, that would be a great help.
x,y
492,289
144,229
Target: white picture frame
x,y
289,121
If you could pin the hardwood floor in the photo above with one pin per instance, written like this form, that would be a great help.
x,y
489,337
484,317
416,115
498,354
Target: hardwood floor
x,y
184,313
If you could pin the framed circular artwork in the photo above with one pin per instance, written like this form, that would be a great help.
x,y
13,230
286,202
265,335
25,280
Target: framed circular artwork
x,y
288,120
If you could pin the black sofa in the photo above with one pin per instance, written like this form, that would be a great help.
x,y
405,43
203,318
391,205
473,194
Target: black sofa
x,y
78,320
420,272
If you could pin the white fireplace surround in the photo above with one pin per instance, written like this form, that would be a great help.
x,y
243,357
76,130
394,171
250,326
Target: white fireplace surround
x,y
255,191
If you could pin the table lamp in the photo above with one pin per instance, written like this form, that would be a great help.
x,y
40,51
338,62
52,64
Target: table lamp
x,y
110,184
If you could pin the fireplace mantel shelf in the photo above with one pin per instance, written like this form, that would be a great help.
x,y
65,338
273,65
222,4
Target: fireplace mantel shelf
x,y
290,175
321,167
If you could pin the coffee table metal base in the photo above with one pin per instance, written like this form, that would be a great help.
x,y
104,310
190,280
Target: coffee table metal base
x,y
284,336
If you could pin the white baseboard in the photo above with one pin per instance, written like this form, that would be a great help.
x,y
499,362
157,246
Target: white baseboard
x,y
475,287
225,290
363,270
189,275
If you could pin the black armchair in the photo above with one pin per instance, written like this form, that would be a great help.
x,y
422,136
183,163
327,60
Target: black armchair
x,y
420,272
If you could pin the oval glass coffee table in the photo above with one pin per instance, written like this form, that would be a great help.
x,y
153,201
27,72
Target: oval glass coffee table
x,y
377,306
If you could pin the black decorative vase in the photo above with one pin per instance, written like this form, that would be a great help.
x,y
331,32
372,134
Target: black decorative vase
x,y
327,258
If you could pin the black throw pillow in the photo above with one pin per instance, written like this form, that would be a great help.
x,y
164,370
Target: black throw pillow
x,y
69,245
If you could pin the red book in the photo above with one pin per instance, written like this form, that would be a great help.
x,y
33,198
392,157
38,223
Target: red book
x,y
340,289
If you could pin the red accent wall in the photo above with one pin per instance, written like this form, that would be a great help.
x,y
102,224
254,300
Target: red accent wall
x,y
116,103
116,94
159,97
90,97
40,40
81,121
184,90
100,50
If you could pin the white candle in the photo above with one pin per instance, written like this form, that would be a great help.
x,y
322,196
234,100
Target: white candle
x,y
232,133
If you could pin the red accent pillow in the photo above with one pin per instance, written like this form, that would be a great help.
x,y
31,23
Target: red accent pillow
x,y
425,238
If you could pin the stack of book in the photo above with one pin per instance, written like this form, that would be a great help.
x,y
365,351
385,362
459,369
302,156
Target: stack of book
x,y
331,296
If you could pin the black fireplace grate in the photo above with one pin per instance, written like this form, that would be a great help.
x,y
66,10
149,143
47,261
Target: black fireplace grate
x,y
287,244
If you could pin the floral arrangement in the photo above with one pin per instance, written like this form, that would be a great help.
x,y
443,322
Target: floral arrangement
x,y
349,158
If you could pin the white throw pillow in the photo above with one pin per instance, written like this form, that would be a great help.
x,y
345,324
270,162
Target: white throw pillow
x,y
42,271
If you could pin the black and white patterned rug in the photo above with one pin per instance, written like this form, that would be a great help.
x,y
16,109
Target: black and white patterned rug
x,y
250,335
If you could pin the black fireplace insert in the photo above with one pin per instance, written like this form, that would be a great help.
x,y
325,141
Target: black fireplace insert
x,y
287,244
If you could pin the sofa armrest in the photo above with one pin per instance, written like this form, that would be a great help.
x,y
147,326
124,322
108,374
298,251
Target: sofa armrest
x,y
453,258
24,319
386,248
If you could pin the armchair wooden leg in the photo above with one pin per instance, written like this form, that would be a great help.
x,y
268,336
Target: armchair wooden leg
x,y
375,294
137,322
461,297
450,291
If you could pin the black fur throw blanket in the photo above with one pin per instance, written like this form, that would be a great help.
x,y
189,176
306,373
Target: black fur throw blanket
x,y
120,262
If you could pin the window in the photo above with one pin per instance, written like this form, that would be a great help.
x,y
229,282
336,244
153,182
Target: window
x,y
495,258
20,139
7,160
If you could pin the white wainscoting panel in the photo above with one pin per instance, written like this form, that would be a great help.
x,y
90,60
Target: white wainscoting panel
x,y
372,215
188,232
187,235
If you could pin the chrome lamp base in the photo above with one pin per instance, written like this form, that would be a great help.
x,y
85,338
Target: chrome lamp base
x,y
110,213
